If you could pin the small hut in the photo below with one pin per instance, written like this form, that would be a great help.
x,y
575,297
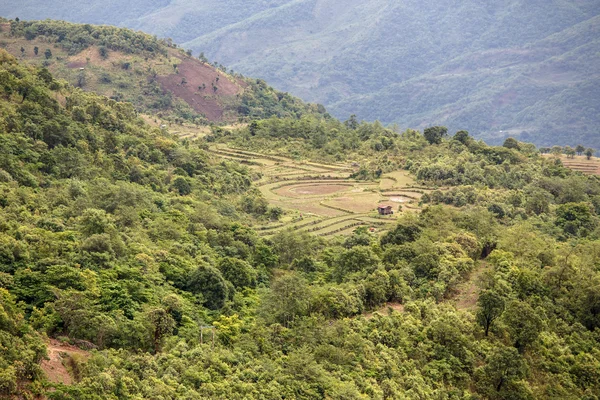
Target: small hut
x,y
385,209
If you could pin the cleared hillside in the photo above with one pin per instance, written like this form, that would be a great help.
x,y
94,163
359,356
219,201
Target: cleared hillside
x,y
154,74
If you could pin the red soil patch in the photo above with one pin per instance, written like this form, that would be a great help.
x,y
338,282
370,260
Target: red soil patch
x,y
194,74
54,368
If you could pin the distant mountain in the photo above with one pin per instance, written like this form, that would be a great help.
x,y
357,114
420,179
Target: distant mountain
x,y
154,74
497,68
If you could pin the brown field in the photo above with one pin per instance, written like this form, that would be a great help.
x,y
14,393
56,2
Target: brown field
x,y
311,190
358,203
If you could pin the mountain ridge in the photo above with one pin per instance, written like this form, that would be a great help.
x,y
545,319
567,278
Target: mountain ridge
x,y
158,77
380,60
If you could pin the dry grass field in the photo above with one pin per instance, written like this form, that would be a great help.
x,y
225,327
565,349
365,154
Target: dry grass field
x,y
580,163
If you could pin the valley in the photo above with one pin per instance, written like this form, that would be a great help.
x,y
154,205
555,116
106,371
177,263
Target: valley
x,y
159,242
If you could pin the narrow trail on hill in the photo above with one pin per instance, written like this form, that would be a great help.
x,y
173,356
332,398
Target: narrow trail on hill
x,y
467,292
54,368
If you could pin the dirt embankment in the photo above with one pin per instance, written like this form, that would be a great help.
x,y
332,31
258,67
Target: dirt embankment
x,y
59,354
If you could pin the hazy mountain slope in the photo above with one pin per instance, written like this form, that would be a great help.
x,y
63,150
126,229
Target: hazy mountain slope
x,y
486,67
181,20
548,89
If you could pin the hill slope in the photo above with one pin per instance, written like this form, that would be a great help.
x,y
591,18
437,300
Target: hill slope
x,y
138,247
153,74
500,67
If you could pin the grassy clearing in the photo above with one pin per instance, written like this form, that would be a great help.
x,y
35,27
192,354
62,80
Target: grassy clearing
x,y
466,293
396,179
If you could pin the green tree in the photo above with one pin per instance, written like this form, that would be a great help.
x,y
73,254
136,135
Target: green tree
x,y
208,282
103,51
81,79
274,213
557,150
538,202
358,258
490,306
435,134
94,221
352,123
511,143
579,149
463,137
589,152
161,325
182,186
569,151
238,272
404,232
576,219
523,324
48,54
289,298
498,378
36,50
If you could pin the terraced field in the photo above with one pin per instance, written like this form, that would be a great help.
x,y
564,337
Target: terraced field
x,y
323,199
581,164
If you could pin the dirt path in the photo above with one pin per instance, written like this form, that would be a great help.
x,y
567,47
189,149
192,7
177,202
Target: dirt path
x,y
54,368
467,292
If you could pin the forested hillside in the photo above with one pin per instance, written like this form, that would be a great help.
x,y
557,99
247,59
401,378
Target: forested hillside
x,y
503,68
136,246
153,74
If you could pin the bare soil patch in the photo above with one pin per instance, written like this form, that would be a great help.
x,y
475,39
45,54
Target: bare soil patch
x,y
399,199
357,203
58,353
195,83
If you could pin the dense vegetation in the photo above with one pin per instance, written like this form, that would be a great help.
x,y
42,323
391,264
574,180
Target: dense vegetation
x,y
126,240
497,69
74,38
146,71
